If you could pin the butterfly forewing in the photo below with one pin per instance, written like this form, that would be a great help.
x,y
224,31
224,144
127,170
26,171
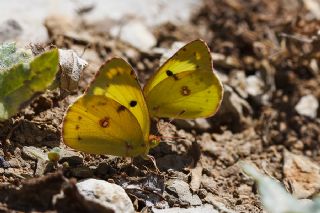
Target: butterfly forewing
x,y
185,86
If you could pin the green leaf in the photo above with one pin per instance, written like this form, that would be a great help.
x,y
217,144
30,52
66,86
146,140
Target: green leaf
x,y
20,83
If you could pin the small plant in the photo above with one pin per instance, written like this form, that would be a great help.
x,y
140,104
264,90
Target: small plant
x,y
23,76
54,154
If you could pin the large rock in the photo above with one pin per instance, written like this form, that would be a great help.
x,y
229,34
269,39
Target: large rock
x,y
181,189
107,194
302,174
136,34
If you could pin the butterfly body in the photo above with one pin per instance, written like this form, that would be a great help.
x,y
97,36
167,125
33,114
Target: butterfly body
x,y
112,117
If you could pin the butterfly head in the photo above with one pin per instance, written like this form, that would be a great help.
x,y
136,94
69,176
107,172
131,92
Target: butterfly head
x,y
154,140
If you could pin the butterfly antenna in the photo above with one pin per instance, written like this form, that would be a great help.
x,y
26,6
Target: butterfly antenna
x,y
159,127
85,49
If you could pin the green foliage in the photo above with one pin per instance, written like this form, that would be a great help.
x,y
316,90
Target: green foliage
x,y
10,55
276,199
22,78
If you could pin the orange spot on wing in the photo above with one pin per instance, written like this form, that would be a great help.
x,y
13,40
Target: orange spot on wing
x,y
104,122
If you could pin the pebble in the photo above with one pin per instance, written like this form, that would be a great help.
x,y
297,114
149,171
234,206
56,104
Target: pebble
x,y
14,163
10,30
255,85
199,209
214,200
302,173
109,195
34,153
307,106
136,34
4,163
234,106
82,172
71,157
181,189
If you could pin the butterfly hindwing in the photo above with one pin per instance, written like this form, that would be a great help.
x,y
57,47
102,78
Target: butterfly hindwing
x,y
185,86
112,116
99,125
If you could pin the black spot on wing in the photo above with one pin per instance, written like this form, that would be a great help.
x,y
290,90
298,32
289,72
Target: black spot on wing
x,y
121,108
133,103
170,74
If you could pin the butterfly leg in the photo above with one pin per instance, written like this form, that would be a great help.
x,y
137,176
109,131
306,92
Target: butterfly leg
x,y
153,160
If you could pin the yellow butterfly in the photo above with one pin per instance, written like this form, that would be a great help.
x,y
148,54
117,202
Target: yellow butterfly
x,y
112,117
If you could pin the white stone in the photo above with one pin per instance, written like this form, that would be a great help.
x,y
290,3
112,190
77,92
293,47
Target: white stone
x,y
254,85
31,14
307,106
136,34
107,194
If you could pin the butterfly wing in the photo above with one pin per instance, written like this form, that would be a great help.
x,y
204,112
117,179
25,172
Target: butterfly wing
x,y
185,86
117,80
112,117
99,125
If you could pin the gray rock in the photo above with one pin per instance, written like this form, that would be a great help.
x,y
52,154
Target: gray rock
x,y
184,124
4,163
216,201
14,163
153,12
136,34
10,30
32,19
181,189
34,153
168,53
82,172
302,174
73,158
200,209
200,124
255,85
41,167
307,106
107,194
234,107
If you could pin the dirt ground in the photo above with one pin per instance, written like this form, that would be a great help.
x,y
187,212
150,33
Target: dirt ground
x,y
275,43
